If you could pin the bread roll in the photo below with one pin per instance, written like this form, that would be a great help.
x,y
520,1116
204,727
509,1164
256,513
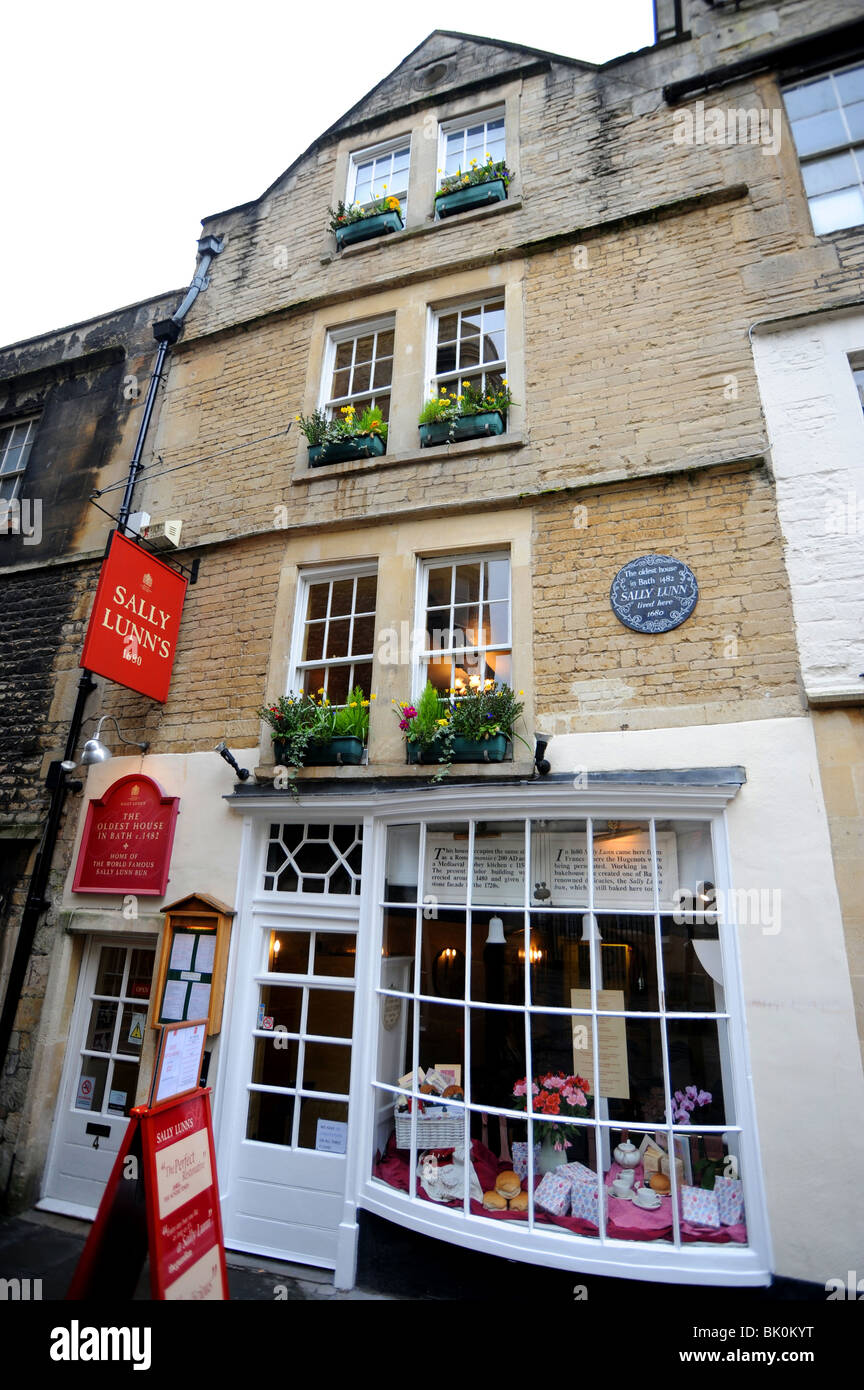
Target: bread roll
x,y
508,1184
660,1182
519,1202
492,1201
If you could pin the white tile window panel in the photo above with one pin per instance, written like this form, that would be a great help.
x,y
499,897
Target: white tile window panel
x,y
358,368
468,139
827,119
334,631
469,343
381,172
16,441
465,603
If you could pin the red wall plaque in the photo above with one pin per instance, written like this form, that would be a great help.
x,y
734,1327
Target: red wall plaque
x,y
128,834
132,634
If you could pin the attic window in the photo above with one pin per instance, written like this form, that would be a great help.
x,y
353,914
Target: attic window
x,y
380,172
431,76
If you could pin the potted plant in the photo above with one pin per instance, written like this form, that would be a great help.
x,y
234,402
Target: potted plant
x,y
483,184
557,1097
471,724
351,222
351,437
426,727
470,414
310,732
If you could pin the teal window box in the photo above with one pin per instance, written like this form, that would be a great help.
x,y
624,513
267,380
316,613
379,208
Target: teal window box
x,y
465,750
342,751
465,427
368,227
476,195
353,446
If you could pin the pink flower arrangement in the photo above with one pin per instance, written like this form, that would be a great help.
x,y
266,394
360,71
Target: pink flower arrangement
x,y
560,1097
686,1101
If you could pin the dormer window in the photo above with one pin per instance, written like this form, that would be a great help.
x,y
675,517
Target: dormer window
x,y
465,140
380,172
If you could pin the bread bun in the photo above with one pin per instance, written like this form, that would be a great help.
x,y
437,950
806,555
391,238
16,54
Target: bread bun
x,y
492,1201
427,1090
508,1184
519,1202
659,1182
453,1093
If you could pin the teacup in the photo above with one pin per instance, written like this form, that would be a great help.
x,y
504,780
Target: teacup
x,y
646,1198
626,1176
620,1188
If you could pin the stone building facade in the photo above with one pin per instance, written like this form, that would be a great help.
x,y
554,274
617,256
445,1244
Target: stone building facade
x,y
614,287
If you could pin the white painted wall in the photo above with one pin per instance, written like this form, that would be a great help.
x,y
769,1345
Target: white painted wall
x,y
206,842
807,1074
816,429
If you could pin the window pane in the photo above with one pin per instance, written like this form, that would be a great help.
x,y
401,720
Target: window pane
x,y
364,636
362,379
819,132
335,951
367,588
331,1015
442,968
91,1083
341,597
810,99
850,85
109,979
338,684
100,1034
337,637
447,326
313,647
282,1005
344,354
270,1118
467,583
469,352
445,360
124,1084
827,175
275,1061
311,1111
383,372
341,383
855,120
289,951
497,1055
836,210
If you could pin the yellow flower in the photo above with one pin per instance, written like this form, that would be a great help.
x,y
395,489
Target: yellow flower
x,y
503,381
442,721
353,704
364,703
320,690
373,697
521,692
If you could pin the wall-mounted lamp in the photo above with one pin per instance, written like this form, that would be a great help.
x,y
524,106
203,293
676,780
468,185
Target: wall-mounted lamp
x,y
541,763
224,752
95,751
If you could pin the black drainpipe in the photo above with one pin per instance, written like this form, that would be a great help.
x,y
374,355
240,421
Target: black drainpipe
x,y
166,332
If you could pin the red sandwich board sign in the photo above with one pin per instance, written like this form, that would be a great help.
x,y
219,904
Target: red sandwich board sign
x,y
163,1199
127,840
132,633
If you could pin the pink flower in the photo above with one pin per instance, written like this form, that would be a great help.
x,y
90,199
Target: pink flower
x,y
521,1087
554,1083
581,1098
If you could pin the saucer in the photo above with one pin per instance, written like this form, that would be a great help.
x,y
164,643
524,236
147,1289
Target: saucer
x,y
649,1206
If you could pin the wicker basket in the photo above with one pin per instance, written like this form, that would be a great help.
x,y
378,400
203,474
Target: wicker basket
x,y
445,1130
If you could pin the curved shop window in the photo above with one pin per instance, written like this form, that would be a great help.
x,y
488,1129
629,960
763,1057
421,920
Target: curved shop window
x,y
557,999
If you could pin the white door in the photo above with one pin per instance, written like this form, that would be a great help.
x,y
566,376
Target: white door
x,y
100,1077
288,1083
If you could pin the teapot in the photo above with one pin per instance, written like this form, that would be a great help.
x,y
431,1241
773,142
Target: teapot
x,y
627,1154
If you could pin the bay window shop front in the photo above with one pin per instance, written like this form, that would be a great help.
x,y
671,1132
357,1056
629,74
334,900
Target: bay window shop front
x,y
548,992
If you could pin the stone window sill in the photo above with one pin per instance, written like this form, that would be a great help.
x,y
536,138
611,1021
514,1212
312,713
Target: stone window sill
x,y
521,767
431,225
435,454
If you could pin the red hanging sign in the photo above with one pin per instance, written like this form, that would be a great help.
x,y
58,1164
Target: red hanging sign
x,y
132,634
127,840
162,1197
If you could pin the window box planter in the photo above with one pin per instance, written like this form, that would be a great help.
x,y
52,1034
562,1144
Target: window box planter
x,y
353,446
368,227
342,751
465,427
476,195
465,750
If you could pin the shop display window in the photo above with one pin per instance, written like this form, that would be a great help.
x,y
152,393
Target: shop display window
x,y
551,1003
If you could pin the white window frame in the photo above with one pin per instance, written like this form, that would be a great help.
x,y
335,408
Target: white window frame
x,y
376,152
445,128
435,379
8,427
720,1264
306,577
424,565
331,404
851,145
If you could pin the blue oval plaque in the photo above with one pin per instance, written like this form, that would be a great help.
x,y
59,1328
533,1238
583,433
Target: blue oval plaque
x,y
654,593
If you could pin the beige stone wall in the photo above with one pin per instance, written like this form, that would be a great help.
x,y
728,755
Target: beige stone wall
x,y
733,659
840,744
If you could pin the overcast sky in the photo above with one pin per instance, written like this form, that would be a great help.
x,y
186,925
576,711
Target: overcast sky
x,y
124,124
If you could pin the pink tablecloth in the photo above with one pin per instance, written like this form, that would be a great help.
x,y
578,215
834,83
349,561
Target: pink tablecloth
x,y
625,1221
